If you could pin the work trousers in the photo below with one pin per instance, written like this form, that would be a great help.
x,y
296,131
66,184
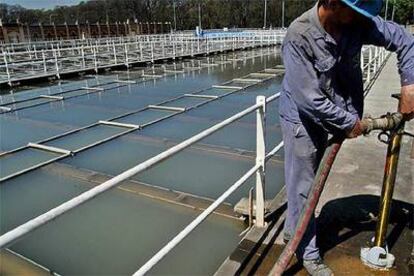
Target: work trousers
x,y
304,145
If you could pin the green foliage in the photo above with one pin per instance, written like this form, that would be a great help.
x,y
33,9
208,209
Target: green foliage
x,y
215,13
404,11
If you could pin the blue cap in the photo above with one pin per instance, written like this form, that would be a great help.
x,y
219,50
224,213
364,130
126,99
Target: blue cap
x,y
368,8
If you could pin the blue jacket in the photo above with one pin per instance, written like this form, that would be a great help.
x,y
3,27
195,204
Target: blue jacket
x,y
323,82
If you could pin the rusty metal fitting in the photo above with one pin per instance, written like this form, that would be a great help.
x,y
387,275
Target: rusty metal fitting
x,y
390,121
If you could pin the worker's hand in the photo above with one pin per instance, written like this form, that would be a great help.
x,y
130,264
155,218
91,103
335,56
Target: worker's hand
x,y
360,128
407,102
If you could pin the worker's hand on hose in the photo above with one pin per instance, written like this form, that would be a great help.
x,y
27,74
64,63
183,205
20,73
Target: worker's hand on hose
x,y
360,128
407,102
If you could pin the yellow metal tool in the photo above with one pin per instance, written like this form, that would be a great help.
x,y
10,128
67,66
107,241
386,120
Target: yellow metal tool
x,y
378,256
390,174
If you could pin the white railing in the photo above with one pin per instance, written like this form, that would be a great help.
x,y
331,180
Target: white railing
x,y
20,231
372,59
53,60
375,58
62,43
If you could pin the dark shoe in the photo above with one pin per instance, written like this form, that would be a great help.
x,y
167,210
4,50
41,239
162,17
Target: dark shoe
x,y
317,268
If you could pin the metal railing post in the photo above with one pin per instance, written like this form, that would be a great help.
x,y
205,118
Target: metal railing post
x,y
83,57
152,52
126,55
56,63
198,45
7,67
369,64
141,50
362,63
35,51
114,50
260,160
44,61
174,50
95,49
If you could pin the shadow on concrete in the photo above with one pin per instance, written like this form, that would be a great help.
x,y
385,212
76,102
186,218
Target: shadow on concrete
x,y
349,223
343,218
249,264
344,226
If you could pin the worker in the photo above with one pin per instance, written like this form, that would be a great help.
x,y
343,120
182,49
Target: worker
x,y
323,94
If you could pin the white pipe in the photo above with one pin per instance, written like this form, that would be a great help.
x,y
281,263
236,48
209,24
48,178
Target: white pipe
x,y
173,71
168,108
197,221
202,96
20,231
52,97
263,74
5,109
274,151
227,87
125,81
247,80
152,76
116,124
272,98
92,88
189,228
49,148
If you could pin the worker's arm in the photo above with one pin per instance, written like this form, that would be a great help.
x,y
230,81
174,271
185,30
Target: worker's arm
x,y
396,39
302,82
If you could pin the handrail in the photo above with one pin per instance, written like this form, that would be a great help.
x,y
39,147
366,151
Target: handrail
x,y
378,58
69,42
13,235
27,227
122,52
197,221
260,165
200,218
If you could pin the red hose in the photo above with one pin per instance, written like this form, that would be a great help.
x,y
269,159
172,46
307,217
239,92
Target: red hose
x,y
310,205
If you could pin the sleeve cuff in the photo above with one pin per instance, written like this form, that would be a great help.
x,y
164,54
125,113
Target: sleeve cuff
x,y
407,78
351,121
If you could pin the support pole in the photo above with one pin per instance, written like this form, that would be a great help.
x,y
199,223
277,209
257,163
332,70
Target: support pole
x,y
44,61
7,67
56,63
369,65
390,174
260,160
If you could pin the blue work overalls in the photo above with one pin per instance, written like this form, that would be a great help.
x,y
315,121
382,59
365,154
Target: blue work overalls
x,y
323,93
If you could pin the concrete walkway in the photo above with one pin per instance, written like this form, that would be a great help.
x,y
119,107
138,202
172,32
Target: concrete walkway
x,y
349,204
360,165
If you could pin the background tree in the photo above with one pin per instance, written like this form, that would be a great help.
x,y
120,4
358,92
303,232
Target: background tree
x,y
215,13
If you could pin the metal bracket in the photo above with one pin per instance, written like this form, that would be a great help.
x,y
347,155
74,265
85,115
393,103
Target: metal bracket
x,y
384,137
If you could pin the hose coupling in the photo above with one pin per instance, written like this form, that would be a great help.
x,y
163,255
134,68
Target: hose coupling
x,y
390,121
